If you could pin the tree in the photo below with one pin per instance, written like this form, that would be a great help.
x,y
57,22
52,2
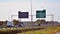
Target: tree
x,y
40,21
15,22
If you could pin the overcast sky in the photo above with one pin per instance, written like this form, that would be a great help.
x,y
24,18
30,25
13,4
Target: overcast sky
x,y
11,7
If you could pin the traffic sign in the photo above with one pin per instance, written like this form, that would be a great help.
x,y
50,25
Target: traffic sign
x,y
41,14
23,14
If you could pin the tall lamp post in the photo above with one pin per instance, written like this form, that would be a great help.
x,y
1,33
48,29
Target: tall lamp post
x,y
31,12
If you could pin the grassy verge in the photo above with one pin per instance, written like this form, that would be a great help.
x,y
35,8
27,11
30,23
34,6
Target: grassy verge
x,y
47,30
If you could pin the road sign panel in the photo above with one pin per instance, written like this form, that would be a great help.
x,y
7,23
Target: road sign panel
x,y
23,14
41,14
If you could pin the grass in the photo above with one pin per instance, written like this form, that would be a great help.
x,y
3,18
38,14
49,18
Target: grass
x,y
47,30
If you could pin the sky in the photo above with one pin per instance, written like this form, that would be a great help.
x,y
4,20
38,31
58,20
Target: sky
x,y
11,7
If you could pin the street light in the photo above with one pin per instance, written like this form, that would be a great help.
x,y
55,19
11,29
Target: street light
x,y
31,12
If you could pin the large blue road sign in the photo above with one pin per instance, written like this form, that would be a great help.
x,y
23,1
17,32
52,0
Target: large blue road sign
x,y
41,14
23,14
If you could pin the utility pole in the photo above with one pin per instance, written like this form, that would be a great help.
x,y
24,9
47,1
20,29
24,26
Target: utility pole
x,y
31,12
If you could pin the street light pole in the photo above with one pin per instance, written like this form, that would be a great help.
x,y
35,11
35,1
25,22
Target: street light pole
x,y
31,12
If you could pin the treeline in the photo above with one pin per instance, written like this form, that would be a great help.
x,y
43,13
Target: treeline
x,y
4,23
39,22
